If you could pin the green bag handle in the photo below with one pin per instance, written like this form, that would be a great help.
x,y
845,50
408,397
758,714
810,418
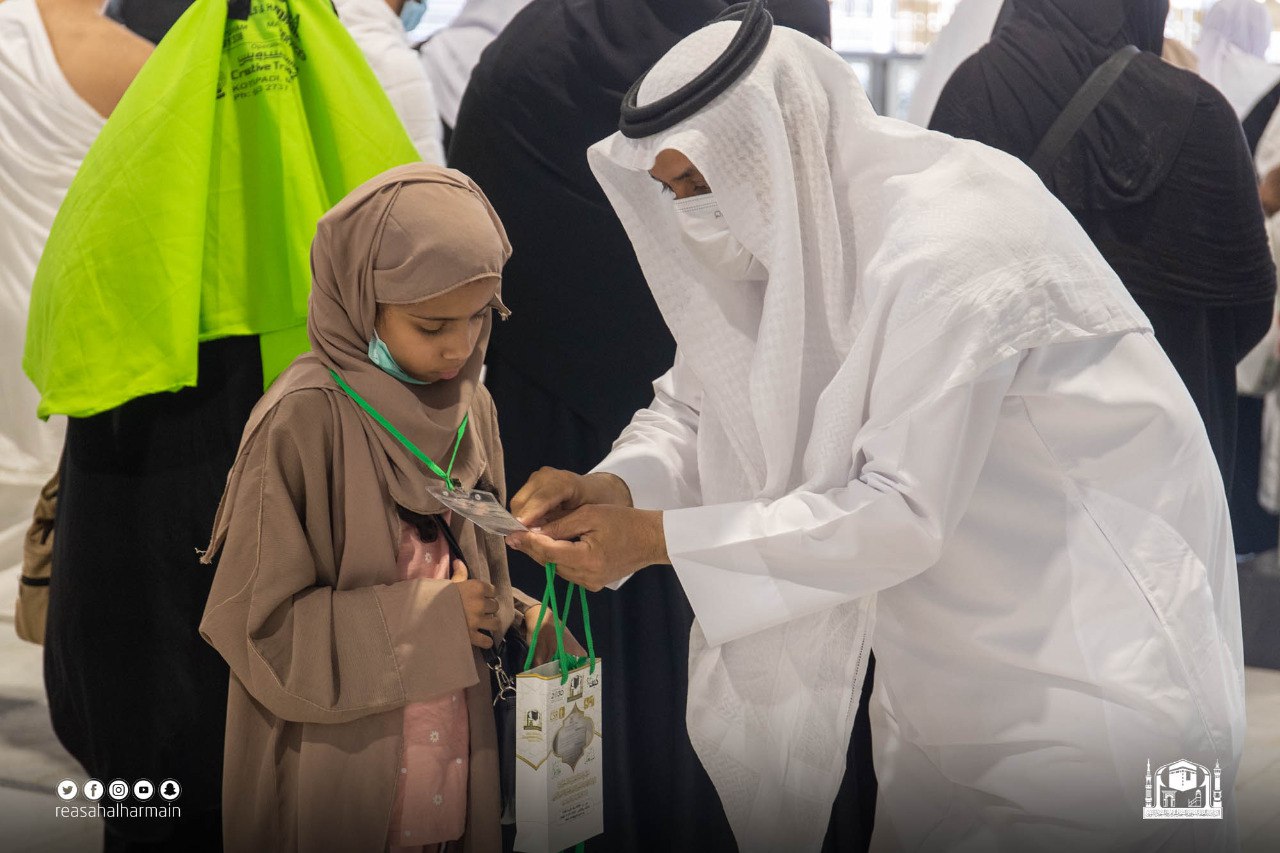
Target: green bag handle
x,y
567,661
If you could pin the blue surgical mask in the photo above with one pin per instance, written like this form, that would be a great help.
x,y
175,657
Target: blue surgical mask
x,y
411,14
381,356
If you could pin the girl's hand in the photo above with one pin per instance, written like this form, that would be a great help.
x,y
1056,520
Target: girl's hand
x,y
480,604
545,647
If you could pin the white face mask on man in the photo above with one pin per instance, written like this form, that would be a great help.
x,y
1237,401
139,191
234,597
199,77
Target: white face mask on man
x,y
706,235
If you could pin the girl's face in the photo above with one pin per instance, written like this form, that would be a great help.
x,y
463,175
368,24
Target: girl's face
x,y
432,340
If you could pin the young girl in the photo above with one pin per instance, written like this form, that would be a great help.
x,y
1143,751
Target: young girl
x,y
360,713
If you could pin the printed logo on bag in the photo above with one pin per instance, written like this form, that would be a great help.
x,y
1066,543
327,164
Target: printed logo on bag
x,y
533,722
573,738
575,688
1183,790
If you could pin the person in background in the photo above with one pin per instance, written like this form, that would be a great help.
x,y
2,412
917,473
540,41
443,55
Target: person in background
x,y
1233,44
380,27
1158,175
578,359
1234,39
63,68
970,27
451,52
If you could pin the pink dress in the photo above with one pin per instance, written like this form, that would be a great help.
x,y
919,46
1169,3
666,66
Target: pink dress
x,y
431,791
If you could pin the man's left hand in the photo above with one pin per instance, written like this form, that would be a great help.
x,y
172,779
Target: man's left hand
x,y
612,542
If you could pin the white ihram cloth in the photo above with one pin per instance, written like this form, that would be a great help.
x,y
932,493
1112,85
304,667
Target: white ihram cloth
x,y
450,54
968,30
942,395
1233,41
46,129
381,38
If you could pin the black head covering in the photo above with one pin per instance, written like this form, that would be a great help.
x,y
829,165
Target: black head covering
x,y
1159,130
1037,61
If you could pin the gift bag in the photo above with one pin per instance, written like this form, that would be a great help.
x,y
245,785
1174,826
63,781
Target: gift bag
x,y
559,745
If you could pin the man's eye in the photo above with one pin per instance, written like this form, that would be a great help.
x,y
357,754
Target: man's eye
x,y
427,331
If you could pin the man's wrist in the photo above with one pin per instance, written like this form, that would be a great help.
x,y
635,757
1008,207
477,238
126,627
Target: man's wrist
x,y
658,546
609,489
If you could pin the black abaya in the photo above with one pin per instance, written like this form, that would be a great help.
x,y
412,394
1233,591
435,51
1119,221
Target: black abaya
x,y
577,360
134,692
1159,176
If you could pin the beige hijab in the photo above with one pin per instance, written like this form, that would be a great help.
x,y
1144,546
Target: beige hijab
x,y
412,233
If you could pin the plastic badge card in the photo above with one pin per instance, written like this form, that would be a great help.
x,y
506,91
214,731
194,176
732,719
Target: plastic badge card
x,y
479,507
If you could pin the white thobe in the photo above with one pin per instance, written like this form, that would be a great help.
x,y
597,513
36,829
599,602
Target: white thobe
x,y
46,129
1057,601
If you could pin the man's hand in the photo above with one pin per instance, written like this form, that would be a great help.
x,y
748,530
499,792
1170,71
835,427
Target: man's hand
x,y
551,493
545,647
612,542
480,604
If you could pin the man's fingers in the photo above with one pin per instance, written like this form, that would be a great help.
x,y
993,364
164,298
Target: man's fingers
x,y
541,503
541,487
544,549
460,572
481,641
572,526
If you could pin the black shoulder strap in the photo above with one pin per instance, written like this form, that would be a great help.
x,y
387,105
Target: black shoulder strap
x,y
1078,109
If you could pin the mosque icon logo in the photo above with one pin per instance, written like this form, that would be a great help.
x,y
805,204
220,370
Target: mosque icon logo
x,y
1183,790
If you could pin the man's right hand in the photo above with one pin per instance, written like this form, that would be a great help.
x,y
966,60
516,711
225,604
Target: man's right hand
x,y
551,494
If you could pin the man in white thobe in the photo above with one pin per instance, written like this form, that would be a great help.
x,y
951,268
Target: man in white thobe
x,y
911,409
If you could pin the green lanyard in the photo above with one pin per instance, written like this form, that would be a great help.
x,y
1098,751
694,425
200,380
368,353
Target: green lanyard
x,y
447,476
568,662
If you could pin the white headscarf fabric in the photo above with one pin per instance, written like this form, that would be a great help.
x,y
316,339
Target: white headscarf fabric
x,y
1232,45
885,245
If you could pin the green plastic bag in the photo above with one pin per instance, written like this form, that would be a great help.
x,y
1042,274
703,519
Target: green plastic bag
x,y
191,218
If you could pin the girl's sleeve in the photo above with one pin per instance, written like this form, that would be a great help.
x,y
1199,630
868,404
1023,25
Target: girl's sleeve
x,y
306,651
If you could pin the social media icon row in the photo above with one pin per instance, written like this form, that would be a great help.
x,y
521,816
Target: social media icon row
x,y
119,790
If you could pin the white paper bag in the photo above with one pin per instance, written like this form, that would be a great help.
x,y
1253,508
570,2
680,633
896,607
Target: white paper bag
x,y
559,753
